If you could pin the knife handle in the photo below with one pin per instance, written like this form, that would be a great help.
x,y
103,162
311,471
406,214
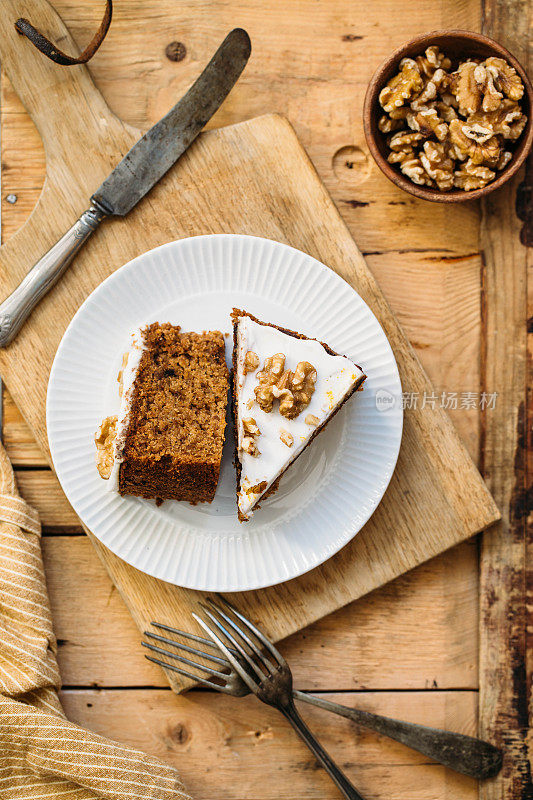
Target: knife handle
x,y
464,754
15,310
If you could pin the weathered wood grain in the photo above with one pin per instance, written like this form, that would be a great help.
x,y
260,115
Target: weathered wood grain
x,y
17,437
41,489
505,579
504,584
425,504
351,649
437,300
235,749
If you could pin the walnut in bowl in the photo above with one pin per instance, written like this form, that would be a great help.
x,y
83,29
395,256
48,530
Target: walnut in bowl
x,y
447,117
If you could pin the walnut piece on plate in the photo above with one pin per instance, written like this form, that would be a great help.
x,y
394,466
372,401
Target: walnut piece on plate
x,y
105,446
442,125
302,387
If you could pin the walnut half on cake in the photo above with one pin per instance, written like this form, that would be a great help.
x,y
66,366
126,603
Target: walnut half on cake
x,y
286,389
167,440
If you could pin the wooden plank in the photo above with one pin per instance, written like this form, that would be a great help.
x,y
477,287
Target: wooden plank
x,y
41,489
22,166
351,649
225,747
505,690
436,298
24,205
18,439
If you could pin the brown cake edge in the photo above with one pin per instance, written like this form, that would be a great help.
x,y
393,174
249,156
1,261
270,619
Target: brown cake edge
x,y
186,475
235,316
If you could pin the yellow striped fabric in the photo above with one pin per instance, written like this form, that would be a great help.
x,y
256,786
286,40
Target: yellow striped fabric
x,y
16,510
43,755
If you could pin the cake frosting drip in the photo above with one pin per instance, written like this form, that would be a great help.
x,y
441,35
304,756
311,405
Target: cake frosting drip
x,y
335,378
129,373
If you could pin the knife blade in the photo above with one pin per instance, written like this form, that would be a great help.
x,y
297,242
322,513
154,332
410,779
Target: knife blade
x,y
153,155
140,169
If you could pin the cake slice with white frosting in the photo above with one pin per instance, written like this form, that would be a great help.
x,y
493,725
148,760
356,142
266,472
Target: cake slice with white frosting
x,y
286,389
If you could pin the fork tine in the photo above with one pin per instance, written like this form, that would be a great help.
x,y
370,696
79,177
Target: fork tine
x,y
186,635
197,678
263,660
187,649
235,642
261,636
235,663
184,660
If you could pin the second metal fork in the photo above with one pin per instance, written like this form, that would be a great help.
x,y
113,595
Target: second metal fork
x,y
267,676
464,754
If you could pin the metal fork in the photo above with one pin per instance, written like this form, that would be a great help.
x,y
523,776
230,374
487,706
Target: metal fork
x,y
464,754
267,676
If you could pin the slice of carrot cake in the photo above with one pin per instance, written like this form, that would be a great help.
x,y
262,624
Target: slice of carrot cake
x,y
286,389
166,441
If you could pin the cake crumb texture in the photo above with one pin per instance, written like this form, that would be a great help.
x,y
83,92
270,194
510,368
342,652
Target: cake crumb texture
x,y
175,435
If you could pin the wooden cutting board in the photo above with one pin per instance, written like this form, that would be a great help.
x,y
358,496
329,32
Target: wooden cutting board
x,y
249,178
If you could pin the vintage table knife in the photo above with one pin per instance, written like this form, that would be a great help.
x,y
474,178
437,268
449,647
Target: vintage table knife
x,y
140,169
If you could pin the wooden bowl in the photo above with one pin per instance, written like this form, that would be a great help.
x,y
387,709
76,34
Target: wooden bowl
x,y
456,45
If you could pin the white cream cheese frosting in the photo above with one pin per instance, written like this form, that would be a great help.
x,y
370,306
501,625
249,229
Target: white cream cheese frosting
x,y
129,373
336,377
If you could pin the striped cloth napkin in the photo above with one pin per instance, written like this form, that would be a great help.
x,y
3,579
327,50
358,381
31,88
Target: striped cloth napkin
x,y
42,754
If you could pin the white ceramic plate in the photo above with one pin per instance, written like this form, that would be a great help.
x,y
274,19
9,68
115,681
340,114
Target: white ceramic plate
x,y
322,502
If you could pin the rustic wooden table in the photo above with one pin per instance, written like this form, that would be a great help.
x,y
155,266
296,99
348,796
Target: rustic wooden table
x,y
443,645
